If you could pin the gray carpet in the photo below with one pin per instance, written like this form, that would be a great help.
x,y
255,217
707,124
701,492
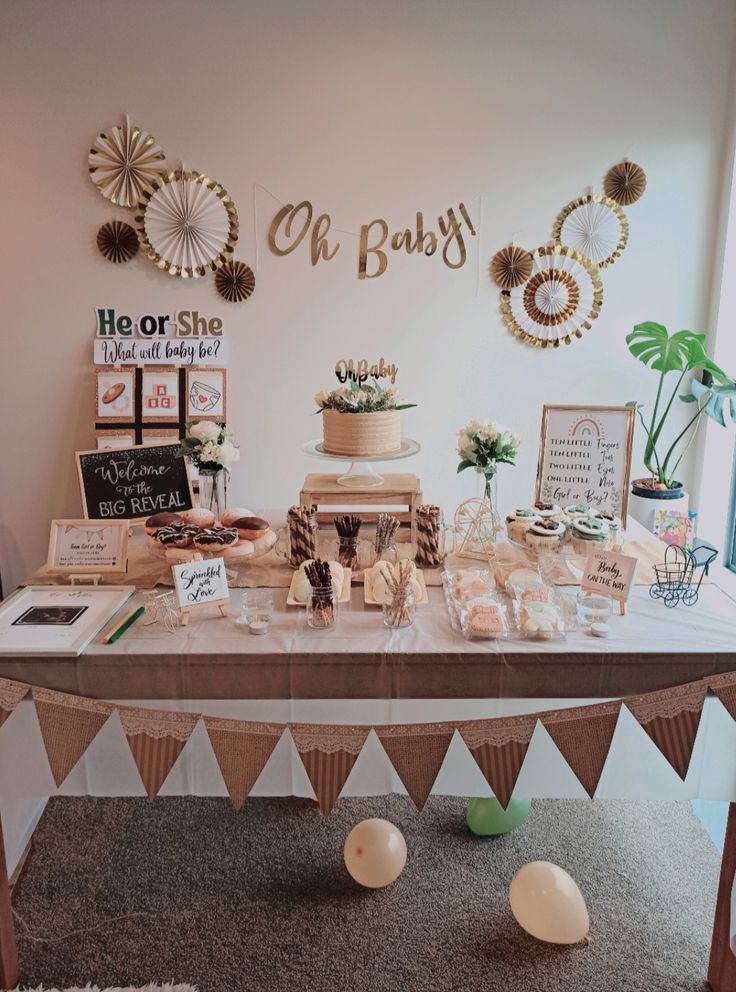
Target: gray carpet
x,y
261,901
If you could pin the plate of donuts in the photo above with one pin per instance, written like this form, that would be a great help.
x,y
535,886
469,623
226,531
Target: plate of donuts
x,y
239,536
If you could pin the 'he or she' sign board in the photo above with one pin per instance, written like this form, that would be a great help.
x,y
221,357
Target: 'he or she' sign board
x,y
585,456
86,546
133,483
610,573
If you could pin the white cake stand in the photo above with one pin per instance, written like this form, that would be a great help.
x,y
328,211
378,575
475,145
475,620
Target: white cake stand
x,y
361,474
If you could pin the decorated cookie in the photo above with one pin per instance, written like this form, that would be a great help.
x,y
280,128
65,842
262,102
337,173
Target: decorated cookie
x,y
543,509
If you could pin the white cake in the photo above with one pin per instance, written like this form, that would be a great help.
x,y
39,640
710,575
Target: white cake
x,y
361,435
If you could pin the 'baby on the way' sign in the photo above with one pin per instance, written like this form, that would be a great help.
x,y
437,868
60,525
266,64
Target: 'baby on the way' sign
x,y
610,573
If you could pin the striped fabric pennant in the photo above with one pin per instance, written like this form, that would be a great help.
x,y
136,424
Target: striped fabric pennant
x,y
11,693
68,725
671,718
328,753
724,686
583,737
241,750
499,748
417,750
156,739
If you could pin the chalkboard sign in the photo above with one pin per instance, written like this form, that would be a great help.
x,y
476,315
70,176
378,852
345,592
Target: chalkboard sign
x,y
133,483
585,456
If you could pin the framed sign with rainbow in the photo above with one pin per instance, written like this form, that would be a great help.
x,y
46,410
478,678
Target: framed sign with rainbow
x,y
585,456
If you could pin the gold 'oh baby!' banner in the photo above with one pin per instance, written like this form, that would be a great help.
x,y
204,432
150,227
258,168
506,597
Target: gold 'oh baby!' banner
x,y
291,225
582,734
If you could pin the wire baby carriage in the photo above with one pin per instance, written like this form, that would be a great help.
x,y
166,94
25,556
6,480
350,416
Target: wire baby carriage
x,y
676,577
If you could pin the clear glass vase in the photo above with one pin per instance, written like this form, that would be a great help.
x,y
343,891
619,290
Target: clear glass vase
x,y
212,491
490,524
400,610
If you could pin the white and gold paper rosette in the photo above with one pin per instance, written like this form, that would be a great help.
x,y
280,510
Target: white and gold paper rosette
x,y
187,224
124,162
595,226
560,300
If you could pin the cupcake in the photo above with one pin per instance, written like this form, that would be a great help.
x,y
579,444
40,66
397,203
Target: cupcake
x,y
590,534
545,535
518,523
614,523
546,510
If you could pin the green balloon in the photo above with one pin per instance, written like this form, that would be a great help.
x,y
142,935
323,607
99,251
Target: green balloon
x,y
488,818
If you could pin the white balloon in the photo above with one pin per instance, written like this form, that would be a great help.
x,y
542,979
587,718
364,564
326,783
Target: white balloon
x,y
548,904
375,853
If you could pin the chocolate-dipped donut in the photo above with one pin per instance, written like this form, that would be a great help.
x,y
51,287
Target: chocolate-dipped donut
x,y
159,520
174,537
250,528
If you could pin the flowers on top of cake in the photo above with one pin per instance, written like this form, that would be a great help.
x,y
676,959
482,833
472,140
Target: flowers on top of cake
x,y
363,398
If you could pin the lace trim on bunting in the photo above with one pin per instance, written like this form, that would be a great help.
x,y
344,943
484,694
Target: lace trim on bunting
x,y
668,703
727,681
580,713
11,694
329,739
158,723
68,701
415,729
243,726
498,732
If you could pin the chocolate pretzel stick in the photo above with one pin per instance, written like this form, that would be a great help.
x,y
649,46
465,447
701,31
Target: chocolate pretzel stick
x,y
348,529
302,545
386,527
398,585
323,594
428,536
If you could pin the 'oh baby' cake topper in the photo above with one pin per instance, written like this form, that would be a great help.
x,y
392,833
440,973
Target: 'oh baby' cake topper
x,y
359,372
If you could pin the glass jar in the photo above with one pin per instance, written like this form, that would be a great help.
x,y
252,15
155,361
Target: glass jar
x,y
400,610
256,605
212,491
593,607
322,607
348,552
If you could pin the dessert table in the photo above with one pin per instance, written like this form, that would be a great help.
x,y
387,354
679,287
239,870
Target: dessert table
x,y
361,672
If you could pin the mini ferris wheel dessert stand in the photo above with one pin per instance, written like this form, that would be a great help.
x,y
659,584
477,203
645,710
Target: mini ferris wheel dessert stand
x,y
361,485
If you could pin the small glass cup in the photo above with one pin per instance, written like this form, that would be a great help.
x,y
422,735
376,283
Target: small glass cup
x,y
593,607
322,607
400,610
256,606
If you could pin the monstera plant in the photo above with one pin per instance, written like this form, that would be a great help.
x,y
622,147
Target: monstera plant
x,y
676,358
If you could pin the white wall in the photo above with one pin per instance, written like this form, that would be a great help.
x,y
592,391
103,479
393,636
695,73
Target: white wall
x,y
369,110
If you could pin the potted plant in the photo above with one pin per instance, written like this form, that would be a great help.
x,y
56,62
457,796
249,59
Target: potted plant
x,y
682,353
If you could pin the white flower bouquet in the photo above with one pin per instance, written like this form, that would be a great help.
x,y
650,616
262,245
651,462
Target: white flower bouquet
x,y
360,399
484,447
209,446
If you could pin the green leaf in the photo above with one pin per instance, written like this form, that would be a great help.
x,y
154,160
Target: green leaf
x,y
722,400
465,464
405,406
682,351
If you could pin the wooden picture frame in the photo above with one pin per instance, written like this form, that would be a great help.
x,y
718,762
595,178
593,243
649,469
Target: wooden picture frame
x,y
129,491
87,609
102,544
585,456
160,398
213,381
115,395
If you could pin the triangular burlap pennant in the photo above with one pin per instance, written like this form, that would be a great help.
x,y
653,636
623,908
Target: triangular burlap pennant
x,y
156,739
68,725
328,753
583,736
417,751
671,718
11,693
724,686
242,750
499,747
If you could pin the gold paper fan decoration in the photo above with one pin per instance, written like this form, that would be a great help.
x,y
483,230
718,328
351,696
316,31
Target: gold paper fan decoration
x,y
235,281
511,266
124,162
117,241
625,183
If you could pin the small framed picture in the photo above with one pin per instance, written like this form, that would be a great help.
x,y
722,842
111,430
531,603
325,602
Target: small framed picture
x,y
159,394
159,435
115,395
206,394
85,546
114,440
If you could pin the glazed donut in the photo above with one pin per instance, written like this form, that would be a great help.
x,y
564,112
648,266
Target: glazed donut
x,y
199,517
265,542
159,520
230,517
243,549
250,528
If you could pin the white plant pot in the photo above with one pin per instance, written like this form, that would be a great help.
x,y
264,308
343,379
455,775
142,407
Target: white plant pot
x,y
643,508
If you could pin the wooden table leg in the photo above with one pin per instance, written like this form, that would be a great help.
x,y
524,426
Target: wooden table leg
x,y
722,965
8,950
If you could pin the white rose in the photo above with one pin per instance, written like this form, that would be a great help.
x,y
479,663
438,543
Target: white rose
x,y
209,452
321,398
205,430
228,453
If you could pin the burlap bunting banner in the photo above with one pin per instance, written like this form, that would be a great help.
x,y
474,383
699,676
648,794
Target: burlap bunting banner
x,y
671,718
583,737
417,750
156,739
328,753
724,686
11,693
499,748
241,750
68,725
